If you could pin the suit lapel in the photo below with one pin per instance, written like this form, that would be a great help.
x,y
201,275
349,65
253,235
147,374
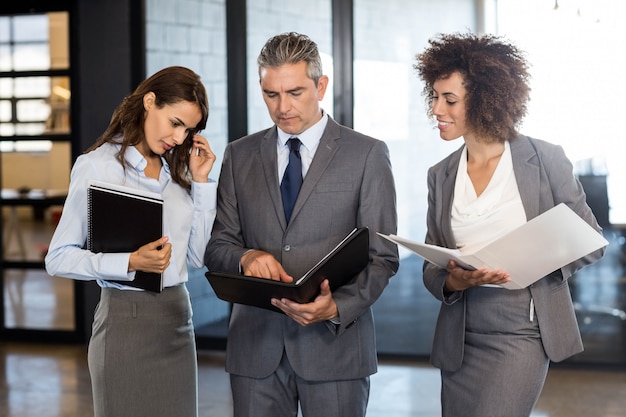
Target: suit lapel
x,y
527,174
328,146
270,171
448,196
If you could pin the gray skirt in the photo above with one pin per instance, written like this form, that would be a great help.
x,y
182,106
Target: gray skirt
x,y
142,354
504,364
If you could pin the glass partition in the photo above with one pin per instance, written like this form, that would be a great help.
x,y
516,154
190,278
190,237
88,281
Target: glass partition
x,y
266,19
35,161
390,107
576,89
200,44
33,300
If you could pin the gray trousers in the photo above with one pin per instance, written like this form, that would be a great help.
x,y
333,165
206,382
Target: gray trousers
x,y
280,394
504,363
142,355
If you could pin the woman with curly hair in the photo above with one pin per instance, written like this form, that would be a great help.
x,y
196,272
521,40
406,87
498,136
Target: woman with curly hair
x,y
493,345
142,353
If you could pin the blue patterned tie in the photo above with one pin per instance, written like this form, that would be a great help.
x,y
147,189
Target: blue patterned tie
x,y
292,180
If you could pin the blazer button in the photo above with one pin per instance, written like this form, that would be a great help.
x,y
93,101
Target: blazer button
x,y
287,248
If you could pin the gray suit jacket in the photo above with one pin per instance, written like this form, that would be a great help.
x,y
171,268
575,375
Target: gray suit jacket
x,y
544,178
349,184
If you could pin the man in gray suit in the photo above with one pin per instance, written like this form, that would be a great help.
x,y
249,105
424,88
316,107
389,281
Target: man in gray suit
x,y
317,356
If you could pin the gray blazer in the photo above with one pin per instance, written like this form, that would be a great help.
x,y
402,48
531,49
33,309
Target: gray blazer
x,y
544,178
349,184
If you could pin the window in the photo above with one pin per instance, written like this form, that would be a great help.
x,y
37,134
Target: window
x,y
35,160
35,86
576,82
389,106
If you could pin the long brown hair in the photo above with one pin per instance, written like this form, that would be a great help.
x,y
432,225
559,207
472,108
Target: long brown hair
x,y
170,85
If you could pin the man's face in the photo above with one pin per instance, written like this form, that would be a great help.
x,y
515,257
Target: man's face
x,y
292,98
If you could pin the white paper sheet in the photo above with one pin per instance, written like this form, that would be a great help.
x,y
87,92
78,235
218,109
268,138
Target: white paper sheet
x,y
530,252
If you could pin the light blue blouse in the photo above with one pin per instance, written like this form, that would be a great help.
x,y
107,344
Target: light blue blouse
x,y
187,220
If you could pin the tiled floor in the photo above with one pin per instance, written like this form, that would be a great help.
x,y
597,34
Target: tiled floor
x,y
53,381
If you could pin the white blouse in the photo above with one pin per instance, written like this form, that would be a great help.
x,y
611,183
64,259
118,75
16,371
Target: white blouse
x,y
479,220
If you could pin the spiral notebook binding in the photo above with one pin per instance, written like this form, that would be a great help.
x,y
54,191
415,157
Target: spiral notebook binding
x,y
89,220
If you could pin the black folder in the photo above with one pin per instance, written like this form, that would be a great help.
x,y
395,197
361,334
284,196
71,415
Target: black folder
x,y
122,219
339,266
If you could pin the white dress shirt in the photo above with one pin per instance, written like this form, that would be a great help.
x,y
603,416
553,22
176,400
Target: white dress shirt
x,y
310,139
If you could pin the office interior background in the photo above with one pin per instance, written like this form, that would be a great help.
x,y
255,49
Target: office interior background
x,y
66,64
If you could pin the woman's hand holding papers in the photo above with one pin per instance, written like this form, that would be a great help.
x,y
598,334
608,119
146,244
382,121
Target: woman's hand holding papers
x,y
460,279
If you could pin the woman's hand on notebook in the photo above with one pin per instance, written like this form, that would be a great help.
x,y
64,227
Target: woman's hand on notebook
x,y
152,257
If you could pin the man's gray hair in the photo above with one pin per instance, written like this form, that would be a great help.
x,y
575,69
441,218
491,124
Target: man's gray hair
x,y
291,48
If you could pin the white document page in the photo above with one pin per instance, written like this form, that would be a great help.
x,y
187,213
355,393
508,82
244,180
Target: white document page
x,y
530,252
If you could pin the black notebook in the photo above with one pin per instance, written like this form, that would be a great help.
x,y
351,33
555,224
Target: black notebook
x,y
339,266
122,219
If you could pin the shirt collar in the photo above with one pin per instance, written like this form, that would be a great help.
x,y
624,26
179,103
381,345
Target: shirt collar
x,y
135,159
309,137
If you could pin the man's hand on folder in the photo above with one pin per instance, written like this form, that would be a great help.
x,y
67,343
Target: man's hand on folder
x,y
257,263
151,257
323,308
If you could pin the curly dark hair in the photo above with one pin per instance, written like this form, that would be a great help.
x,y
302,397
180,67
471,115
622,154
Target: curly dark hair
x,y
170,85
495,75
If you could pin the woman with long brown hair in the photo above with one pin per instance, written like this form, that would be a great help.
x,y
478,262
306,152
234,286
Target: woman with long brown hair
x,y
142,355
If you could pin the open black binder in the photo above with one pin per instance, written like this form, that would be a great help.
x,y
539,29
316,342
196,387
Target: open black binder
x,y
121,219
339,266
